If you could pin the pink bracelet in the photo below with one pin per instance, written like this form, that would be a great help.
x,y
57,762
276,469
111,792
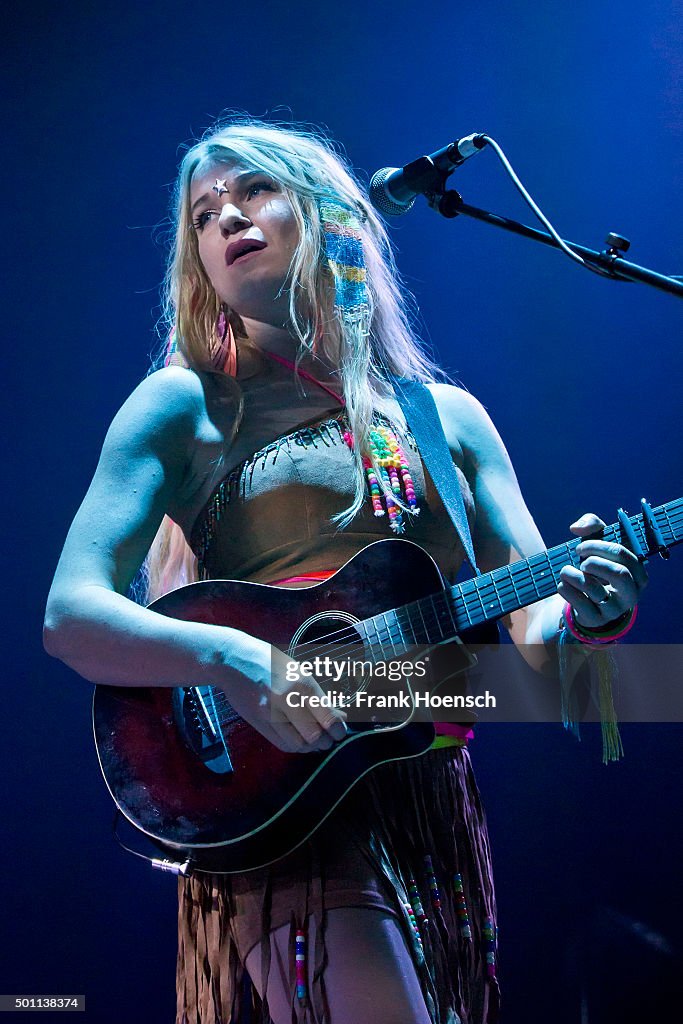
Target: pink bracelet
x,y
599,636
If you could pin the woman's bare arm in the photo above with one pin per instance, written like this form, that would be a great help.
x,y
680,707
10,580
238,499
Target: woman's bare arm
x,y
107,638
89,624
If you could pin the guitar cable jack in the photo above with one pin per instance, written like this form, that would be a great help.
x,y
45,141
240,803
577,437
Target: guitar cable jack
x,y
173,867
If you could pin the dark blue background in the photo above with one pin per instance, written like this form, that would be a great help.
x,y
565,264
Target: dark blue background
x,y
582,376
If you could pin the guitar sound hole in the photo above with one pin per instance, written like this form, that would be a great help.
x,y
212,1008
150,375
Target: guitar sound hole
x,y
332,644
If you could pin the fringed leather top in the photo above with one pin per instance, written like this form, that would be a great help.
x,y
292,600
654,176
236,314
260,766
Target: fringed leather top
x,y
271,517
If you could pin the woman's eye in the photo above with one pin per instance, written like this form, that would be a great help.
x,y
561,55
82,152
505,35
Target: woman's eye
x,y
259,186
202,220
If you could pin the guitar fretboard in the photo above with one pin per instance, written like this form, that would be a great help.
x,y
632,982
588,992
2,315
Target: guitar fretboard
x,y
492,595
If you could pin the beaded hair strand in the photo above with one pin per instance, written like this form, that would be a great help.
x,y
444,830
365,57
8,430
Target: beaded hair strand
x,y
345,259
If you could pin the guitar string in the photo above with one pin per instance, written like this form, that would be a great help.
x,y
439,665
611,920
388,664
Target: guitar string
x,y
501,595
216,705
502,587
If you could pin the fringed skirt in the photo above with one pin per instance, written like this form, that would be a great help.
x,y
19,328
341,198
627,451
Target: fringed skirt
x,y
411,840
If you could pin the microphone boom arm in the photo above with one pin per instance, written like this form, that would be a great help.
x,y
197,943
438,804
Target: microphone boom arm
x,y
609,262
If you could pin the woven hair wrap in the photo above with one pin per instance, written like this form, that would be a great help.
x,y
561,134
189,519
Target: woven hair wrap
x,y
343,239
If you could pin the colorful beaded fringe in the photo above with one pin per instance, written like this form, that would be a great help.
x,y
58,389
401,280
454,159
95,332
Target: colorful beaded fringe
x,y
490,936
418,920
416,903
300,954
461,908
432,883
413,924
387,454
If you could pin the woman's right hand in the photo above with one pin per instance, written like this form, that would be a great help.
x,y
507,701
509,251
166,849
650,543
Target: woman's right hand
x,y
259,696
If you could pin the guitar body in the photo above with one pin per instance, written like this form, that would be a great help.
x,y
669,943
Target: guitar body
x,y
187,771
243,803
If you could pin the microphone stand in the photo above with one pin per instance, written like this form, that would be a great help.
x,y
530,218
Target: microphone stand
x,y
609,262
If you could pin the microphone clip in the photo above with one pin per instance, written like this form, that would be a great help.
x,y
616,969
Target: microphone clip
x,y
424,177
428,174
446,203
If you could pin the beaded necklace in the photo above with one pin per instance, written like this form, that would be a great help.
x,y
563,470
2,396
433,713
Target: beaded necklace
x,y
386,453
390,457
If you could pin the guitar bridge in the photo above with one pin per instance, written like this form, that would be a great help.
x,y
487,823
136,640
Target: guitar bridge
x,y
199,722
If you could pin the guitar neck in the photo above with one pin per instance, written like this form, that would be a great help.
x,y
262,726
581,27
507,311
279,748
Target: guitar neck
x,y
488,597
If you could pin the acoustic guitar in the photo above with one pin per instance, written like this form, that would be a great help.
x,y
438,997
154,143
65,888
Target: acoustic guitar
x,y
203,784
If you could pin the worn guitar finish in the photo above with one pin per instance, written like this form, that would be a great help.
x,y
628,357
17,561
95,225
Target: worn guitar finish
x,y
186,770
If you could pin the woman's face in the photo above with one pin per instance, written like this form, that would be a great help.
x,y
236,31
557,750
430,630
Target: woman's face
x,y
247,234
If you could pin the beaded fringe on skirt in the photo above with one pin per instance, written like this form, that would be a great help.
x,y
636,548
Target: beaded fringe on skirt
x,y
420,826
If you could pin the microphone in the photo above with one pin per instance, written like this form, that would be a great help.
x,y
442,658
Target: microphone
x,y
393,190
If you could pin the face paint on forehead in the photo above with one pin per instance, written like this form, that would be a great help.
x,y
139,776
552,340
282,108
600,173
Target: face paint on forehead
x,y
223,177
221,170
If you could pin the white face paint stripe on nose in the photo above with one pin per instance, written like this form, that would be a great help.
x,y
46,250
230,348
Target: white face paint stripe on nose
x,y
227,221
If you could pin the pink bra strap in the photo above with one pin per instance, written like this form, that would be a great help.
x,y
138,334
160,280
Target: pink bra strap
x,y
307,376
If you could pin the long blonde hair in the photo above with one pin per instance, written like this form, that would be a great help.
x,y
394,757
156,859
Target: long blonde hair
x,y
308,169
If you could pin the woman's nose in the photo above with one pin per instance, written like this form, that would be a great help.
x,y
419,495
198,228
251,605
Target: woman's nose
x,y
232,219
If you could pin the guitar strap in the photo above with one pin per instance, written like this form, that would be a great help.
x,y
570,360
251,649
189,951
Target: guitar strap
x,y
422,417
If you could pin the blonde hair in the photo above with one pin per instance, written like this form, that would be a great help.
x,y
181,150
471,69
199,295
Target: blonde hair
x,y
308,169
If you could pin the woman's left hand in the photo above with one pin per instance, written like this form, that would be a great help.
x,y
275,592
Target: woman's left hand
x,y
608,581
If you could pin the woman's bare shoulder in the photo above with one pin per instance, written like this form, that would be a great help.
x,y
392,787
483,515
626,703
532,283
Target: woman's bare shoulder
x,y
168,394
465,422
456,404
172,404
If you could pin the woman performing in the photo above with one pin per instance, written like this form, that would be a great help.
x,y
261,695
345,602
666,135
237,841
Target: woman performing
x,y
271,448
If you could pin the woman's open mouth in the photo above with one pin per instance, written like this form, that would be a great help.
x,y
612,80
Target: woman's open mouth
x,y
243,247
